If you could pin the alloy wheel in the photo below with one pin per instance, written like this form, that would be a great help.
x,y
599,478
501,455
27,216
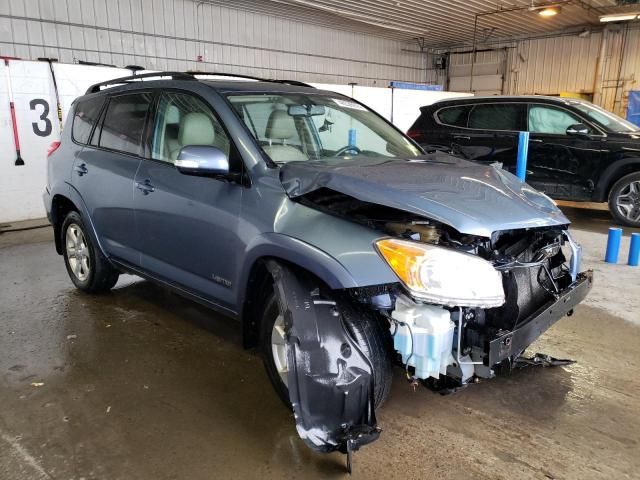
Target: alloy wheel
x,y
77,252
279,348
628,201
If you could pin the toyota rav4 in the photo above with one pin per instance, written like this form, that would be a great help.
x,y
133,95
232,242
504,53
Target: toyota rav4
x,y
340,246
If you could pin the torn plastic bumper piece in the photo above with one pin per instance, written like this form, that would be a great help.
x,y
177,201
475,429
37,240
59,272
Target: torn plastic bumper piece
x,y
540,360
330,379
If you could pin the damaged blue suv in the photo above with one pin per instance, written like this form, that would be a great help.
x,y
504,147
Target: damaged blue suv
x,y
341,246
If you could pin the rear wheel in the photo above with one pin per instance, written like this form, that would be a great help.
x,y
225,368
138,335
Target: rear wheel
x,y
624,200
88,269
368,331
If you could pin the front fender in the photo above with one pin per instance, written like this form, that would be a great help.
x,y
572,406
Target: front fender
x,y
295,251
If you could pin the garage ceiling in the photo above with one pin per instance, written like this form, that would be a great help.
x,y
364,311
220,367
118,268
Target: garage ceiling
x,y
442,23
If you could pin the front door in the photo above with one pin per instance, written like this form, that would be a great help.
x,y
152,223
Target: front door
x,y
561,165
103,173
188,224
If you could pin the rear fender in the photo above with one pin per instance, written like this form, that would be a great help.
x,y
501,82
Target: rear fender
x,y
611,174
330,379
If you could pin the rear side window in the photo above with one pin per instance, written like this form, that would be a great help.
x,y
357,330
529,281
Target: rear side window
x,y
454,116
498,116
84,117
124,123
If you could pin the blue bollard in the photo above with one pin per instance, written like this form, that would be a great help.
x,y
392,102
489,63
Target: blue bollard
x,y
613,245
634,250
523,153
352,137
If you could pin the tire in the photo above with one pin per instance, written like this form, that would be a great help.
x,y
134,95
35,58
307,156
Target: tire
x,y
368,331
624,200
87,267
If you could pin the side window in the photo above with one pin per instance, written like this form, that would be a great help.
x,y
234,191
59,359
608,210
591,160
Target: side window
x,y
548,119
124,122
183,119
498,116
84,116
453,116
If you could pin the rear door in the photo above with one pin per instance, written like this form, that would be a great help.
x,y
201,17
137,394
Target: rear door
x,y
492,133
441,129
561,165
104,171
188,224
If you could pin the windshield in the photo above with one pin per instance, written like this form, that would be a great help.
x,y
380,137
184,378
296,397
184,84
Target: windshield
x,y
294,127
609,121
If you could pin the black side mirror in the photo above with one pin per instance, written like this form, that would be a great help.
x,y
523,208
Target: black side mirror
x,y
578,129
204,160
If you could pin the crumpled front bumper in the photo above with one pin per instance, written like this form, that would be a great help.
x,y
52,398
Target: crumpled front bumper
x,y
514,342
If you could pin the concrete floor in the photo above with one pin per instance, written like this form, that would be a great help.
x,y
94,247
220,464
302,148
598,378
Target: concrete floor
x,y
141,384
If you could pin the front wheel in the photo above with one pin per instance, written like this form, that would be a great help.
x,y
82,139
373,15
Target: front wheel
x,y
88,269
624,200
365,328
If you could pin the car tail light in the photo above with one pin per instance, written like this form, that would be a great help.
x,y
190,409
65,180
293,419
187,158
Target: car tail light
x,y
52,148
415,134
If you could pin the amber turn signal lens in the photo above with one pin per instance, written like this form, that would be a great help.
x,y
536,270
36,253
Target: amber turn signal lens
x,y
403,258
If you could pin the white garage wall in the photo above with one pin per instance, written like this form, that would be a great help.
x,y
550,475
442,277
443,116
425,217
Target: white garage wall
x,y
21,187
171,34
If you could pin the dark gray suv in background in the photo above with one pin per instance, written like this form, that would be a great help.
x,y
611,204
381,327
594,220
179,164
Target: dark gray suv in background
x,y
339,245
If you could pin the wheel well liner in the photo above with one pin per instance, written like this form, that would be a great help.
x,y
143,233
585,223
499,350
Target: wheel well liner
x,y
60,208
258,287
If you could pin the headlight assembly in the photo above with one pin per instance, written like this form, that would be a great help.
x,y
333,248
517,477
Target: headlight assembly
x,y
440,275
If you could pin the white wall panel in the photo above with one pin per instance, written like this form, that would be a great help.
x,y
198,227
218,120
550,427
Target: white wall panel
x,y
21,187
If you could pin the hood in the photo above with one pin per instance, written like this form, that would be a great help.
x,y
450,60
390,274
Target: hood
x,y
475,199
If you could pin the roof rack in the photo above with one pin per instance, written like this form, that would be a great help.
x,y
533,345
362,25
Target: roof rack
x,y
293,82
224,74
132,78
189,75
251,77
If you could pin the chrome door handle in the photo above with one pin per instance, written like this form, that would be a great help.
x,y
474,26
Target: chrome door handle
x,y
535,140
145,187
81,169
462,137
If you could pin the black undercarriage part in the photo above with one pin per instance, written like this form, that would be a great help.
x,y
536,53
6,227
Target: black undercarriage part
x,y
330,379
540,360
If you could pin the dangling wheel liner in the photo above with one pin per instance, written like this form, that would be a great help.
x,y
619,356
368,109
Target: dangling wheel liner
x,y
331,381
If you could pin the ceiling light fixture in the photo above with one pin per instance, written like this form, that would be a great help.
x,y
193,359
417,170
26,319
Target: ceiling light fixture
x,y
549,11
621,17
